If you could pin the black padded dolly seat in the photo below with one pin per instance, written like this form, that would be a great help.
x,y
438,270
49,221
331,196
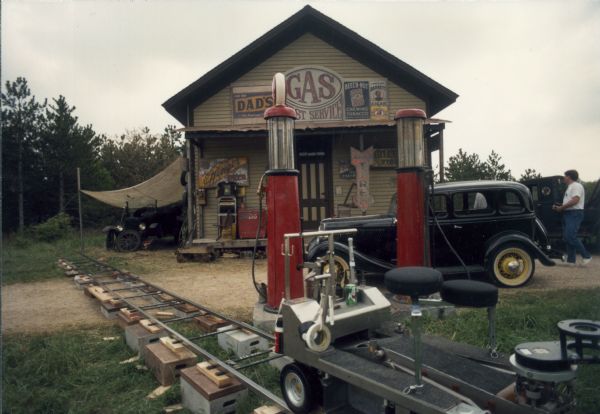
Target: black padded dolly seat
x,y
414,282
473,294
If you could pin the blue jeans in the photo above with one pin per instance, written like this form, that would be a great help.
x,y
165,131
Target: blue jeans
x,y
571,221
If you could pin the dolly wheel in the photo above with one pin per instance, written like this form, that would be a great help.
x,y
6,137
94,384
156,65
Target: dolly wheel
x,y
300,387
511,265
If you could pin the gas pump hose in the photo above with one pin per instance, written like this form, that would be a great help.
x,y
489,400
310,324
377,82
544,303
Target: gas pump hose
x,y
261,289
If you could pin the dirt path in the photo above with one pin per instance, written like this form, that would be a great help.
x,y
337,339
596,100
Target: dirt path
x,y
47,306
224,285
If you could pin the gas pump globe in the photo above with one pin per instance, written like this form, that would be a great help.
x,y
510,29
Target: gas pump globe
x,y
281,142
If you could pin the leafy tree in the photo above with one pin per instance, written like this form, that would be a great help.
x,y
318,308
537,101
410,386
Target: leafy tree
x,y
21,118
495,170
530,174
65,146
464,166
138,155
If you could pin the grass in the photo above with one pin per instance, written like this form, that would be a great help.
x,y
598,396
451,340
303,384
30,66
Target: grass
x,y
531,317
26,261
76,371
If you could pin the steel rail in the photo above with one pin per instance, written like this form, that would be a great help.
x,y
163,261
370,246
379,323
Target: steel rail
x,y
250,328
198,350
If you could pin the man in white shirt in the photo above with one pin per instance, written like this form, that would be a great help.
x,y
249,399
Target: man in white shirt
x,y
572,209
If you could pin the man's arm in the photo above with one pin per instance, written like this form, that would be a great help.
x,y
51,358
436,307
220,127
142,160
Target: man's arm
x,y
568,204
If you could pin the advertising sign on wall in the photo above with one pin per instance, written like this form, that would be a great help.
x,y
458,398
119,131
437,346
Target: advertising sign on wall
x,y
356,96
213,172
249,103
317,94
385,158
379,100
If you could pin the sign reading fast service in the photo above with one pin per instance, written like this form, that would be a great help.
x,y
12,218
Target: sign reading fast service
x,y
318,95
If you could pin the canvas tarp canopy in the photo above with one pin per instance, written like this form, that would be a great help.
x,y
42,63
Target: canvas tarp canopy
x,y
161,190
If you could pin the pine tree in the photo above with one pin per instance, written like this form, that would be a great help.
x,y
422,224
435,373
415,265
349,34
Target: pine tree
x,y
21,119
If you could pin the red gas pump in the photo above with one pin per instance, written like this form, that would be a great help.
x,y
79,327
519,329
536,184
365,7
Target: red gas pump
x,y
283,202
412,246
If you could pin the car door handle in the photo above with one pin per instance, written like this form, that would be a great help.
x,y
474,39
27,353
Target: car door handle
x,y
456,226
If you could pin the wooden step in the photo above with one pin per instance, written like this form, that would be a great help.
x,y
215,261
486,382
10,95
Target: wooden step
x,y
173,344
99,293
164,315
147,324
215,373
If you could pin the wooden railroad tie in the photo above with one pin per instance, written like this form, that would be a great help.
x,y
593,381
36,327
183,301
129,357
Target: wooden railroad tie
x,y
164,315
147,324
173,344
131,314
99,294
215,373
165,297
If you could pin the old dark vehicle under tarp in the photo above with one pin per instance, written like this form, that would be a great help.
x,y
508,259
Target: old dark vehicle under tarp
x,y
152,209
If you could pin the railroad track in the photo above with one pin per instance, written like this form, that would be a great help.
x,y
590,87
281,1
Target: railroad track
x,y
144,297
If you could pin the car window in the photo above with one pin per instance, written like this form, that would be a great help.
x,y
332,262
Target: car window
x,y
510,202
472,203
535,192
440,205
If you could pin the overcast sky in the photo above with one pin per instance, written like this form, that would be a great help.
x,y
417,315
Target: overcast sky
x,y
528,73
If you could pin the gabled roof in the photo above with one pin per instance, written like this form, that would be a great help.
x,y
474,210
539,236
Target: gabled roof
x,y
309,20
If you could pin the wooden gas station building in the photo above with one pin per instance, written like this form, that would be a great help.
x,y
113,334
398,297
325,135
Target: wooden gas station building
x,y
345,90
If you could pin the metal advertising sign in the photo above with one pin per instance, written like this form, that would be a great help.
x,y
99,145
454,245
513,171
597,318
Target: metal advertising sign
x,y
213,172
316,94
362,160
249,103
356,97
385,158
378,98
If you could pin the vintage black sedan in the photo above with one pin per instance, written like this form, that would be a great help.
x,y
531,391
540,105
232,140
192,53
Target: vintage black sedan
x,y
476,227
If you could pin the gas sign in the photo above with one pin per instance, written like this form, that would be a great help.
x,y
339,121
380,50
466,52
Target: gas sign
x,y
316,93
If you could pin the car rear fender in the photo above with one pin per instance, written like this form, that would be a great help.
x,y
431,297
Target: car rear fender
x,y
525,242
362,261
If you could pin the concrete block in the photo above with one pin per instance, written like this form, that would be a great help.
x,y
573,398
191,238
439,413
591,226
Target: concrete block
x,y
110,310
137,337
262,319
82,281
241,342
127,318
210,323
280,362
165,364
200,395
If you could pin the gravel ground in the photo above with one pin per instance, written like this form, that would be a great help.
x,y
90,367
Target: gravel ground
x,y
224,285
